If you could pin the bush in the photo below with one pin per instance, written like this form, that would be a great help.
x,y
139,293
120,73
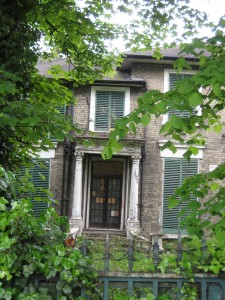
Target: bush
x,y
35,260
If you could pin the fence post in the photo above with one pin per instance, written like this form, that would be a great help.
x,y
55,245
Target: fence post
x,y
84,252
203,249
179,248
130,255
107,254
84,247
156,251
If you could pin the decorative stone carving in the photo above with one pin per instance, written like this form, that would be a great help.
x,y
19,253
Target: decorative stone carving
x,y
76,226
78,155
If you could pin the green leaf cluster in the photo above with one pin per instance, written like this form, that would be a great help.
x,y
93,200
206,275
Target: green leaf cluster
x,y
35,262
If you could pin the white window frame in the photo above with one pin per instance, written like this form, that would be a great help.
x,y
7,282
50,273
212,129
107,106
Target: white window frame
x,y
167,72
109,89
181,149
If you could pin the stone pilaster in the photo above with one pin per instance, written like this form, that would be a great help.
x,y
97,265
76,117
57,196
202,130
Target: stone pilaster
x,y
76,222
133,225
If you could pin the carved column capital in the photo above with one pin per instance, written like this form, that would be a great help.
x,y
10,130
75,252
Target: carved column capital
x,y
136,158
79,155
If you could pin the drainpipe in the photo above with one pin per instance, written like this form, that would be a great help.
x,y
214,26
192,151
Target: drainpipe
x,y
143,156
69,174
65,153
67,166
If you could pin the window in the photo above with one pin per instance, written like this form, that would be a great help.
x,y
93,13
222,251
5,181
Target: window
x,y
175,171
62,111
39,176
40,179
173,79
170,80
108,105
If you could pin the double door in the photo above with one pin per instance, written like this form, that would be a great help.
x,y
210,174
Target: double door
x,y
105,204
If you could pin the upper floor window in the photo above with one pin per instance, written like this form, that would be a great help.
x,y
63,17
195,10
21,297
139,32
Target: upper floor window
x,y
108,105
170,80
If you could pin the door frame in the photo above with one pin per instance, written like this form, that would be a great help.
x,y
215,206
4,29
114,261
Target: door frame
x,y
124,192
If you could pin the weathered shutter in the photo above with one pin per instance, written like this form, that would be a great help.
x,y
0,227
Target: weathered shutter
x,y
117,107
61,109
109,108
171,182
40,179
173,79
102,110
175,171
189,168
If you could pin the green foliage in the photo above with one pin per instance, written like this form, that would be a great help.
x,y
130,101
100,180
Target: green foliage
x,y
203,93
79,32
28,101
33,251
35,261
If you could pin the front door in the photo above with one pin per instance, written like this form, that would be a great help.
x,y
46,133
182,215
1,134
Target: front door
x,y
105,204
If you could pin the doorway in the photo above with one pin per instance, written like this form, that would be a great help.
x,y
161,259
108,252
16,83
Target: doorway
x,y
106,194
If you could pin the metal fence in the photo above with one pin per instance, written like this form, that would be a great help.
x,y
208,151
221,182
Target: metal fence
x,y
123,284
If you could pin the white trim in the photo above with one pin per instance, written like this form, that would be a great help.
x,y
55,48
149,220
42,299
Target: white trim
x,y
127,191
181,149
47,154
88,188
50,153
85,192
106,88
167,85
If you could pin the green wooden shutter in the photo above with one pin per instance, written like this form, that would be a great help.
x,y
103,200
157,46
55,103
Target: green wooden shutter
x,y
173,79
61,109
109,108
117,107
40,179
175,171
102,110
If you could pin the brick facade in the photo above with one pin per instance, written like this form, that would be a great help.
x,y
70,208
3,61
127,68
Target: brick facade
x,y
150,197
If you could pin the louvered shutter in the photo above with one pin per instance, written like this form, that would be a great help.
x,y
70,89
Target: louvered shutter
x,y
117,107
175,171
102,110
62,111
40,179
109,108
173,79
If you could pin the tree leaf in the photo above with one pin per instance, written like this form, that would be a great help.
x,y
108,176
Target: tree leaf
x,y
173,202
145,119
195,99
177,122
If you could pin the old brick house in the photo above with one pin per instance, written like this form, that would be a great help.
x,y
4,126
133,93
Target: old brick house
x,y
129,191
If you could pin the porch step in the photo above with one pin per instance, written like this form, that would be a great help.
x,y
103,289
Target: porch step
x,y
102,233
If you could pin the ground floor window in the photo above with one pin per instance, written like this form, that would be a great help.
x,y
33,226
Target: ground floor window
x,y
39,175
175,171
